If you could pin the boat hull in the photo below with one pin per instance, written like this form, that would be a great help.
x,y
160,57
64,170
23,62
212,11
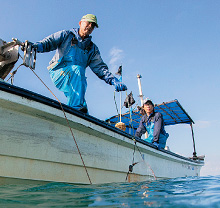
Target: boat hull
x,y
37,146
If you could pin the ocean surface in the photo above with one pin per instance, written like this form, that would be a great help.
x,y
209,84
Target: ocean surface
x,y
179,192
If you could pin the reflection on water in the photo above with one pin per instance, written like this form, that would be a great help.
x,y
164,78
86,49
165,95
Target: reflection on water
x,y
179,192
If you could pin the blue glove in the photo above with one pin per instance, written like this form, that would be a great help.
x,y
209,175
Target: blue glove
x,y
119,86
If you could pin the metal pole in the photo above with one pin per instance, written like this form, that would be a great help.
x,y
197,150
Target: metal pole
x,y
194,146
140,89
141,95
120,105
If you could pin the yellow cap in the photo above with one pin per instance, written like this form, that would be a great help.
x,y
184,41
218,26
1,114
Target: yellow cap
x,y
90,18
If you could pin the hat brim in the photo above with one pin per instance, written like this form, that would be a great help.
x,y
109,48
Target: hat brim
x,y
95,23
90,21
149,102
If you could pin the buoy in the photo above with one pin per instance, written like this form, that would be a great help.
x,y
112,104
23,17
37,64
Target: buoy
x,y
121,126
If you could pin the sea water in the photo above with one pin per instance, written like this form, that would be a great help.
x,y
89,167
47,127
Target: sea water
x,y
178,192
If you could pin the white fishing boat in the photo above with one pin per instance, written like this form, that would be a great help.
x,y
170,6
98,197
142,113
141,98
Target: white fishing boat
x,y
45,141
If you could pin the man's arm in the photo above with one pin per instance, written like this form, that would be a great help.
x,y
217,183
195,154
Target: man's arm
x,y
141,129
157,126
98,66
50,43
101,70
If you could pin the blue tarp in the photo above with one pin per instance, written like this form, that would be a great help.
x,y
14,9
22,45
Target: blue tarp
x,y
173,113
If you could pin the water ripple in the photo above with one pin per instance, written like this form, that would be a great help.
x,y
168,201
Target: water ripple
x,y
179,192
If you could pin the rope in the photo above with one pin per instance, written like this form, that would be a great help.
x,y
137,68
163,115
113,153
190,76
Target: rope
x,y
131,166
13,73
144,160
135,145
67,123
134,163
116,106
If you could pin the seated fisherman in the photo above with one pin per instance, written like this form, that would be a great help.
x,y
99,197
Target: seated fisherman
x,y
152,123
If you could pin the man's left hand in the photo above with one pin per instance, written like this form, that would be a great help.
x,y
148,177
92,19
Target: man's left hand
x,y
119,86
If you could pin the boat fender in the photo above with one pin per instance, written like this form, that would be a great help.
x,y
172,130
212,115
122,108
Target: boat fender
x,y
120,125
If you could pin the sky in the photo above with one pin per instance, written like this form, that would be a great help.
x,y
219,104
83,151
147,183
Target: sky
x,y
173,44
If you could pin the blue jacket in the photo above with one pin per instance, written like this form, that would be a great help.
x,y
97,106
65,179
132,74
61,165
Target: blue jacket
x,y
155,117
61,42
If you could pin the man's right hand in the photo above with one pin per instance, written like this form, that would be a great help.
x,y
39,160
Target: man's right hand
x,y
29,43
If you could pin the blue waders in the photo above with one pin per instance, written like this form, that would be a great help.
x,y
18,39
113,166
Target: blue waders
x,y
150,131
68,75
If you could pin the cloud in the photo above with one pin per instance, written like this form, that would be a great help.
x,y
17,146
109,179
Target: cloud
x,y
202,124
116,55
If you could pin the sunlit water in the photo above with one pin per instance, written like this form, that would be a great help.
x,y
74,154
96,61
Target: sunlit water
x,y
179,192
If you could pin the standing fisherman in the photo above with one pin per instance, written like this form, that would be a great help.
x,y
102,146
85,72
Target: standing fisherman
x,y
74,52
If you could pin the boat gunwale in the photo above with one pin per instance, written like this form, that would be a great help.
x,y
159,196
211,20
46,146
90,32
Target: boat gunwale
x,y
55,104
